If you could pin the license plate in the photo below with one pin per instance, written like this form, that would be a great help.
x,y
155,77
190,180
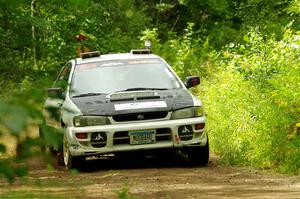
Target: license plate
x,y
142,137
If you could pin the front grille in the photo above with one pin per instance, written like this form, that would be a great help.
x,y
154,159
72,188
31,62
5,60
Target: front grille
x,y
139,116
162,134
121,137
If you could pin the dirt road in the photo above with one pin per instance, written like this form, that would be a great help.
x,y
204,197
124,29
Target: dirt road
x,y
151,178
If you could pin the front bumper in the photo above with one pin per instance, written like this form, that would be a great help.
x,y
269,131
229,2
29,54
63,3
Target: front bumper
x,y
167,136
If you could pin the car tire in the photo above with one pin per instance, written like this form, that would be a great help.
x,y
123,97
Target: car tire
x,y
56,156
70,161
60,159
199,155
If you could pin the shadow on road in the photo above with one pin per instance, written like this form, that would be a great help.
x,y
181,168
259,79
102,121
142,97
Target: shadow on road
x,y
172,160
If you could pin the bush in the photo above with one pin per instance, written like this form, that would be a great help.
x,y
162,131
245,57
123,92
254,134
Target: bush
x,y
252,101
244,127
19,112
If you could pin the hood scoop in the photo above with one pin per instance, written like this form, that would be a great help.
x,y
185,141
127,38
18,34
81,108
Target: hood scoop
x,y
124,96
148,97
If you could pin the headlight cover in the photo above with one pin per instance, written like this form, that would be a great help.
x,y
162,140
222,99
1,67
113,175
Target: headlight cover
x,y
81,120
196,111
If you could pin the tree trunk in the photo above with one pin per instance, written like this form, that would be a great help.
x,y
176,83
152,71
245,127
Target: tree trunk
x,y
33,29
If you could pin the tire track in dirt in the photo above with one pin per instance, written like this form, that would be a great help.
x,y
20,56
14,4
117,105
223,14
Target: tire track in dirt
x,y
154,178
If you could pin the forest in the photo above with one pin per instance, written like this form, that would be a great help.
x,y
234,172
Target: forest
x,y
246,52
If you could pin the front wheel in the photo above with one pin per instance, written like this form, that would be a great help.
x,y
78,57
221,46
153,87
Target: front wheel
x,y
199,155
70,161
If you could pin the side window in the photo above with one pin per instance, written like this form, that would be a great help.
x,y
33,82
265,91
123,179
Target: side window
x,y
62,79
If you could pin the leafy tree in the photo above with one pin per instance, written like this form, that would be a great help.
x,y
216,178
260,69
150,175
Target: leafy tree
x,y
37,38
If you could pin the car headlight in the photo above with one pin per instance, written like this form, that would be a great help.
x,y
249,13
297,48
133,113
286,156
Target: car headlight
x,y
196,111
90,120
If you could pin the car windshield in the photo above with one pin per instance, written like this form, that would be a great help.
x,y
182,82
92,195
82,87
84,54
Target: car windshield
x,y
122,75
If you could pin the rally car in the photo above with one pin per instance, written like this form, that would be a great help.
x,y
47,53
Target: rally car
x,y
126,102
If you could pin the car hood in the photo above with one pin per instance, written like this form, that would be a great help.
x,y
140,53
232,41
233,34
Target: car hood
x,y
134,102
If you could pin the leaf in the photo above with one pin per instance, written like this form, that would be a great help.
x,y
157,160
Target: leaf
x,y
16,119
7,171
80,3
21,171
246,38
2,148
52,136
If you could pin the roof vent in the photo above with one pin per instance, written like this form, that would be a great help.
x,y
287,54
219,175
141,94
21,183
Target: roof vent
x,y
90,54
140,51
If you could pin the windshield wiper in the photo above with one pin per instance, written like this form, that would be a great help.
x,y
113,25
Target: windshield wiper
x,y
140,89
88,94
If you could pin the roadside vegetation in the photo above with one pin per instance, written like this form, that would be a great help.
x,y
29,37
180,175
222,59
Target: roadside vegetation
x,y
247,54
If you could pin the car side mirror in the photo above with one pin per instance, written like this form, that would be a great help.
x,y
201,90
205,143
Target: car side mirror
x,y
56,93
191,81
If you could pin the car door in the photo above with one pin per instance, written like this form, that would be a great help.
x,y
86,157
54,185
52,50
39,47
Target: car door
x,y
53,104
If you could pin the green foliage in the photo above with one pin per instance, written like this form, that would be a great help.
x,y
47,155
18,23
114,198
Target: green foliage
x,y
2,148
253,97
124,192
294,7
163,7
51,136
9,170
111,26
18,114
250,126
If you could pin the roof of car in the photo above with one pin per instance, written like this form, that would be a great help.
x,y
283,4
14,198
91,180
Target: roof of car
x,y
116,56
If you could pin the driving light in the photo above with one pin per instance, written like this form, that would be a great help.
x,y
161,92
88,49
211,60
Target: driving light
x,y
80,121
196,111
